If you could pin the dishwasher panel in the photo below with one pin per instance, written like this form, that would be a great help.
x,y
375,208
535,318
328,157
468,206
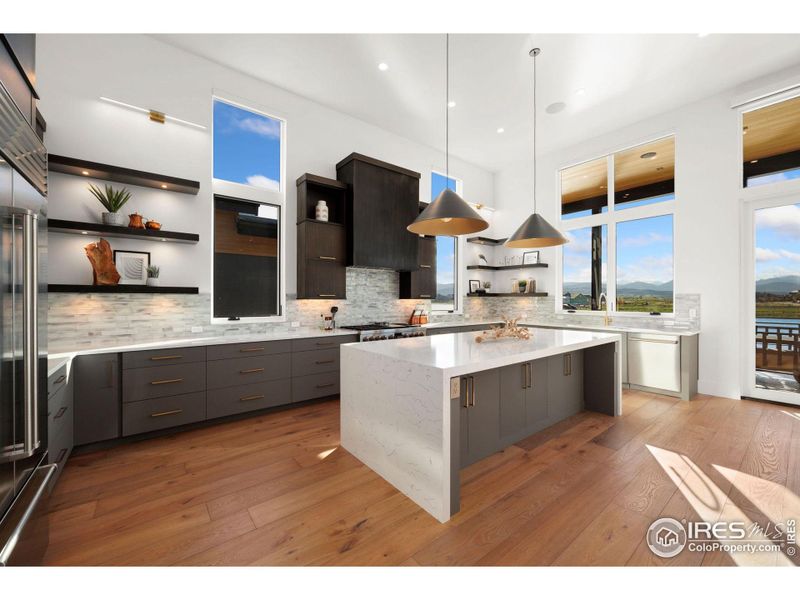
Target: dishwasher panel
x,y
654,361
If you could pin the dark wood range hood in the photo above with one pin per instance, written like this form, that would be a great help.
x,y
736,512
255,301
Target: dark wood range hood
x,y
382,200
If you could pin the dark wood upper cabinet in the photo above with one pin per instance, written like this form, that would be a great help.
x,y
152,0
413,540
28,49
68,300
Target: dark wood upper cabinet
x,y
421,284
321,246
382,200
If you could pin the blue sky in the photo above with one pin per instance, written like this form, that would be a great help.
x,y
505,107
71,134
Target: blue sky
x,y
445,246
778,241
247,146
644,252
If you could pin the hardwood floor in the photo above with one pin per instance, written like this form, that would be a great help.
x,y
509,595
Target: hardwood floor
x,y
277,490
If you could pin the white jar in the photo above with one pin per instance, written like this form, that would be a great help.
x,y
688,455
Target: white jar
x,y
322,211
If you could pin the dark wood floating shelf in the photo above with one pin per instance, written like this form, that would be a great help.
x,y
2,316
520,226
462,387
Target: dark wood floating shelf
x,y
484,241
509,295
79,227
506,267
120,289
93,170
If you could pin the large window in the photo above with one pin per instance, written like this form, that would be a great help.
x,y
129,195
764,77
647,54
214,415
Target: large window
x,y
248,204
620,254
446,253
771,143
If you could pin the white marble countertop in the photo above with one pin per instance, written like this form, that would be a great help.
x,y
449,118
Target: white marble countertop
x,y
566,324
290,334
458,353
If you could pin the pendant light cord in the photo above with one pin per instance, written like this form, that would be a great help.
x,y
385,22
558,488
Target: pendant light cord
x,y
536,53
447,110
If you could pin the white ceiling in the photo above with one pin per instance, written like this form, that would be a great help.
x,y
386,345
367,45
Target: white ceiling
x,y
626,78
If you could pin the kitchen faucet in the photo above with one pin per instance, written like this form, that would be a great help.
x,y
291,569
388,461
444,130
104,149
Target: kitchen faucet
x,y
606,319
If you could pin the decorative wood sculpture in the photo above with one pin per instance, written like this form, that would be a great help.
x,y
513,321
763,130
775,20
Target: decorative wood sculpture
x,y
102,259
509,329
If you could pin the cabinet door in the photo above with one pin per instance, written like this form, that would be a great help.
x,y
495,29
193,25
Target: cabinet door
x,y
565,384
513,391
536,401
325,241
483,415
324,279
463,423
421,284
96,398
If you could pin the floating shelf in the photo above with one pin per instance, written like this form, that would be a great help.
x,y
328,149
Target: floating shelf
x,y
78,227
93,170
509,295
119,289
506,267
485,241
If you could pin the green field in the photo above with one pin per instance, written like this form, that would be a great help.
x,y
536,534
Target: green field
x,y
644,304
778,310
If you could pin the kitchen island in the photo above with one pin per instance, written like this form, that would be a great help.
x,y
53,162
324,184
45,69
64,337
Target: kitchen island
x,y
418,410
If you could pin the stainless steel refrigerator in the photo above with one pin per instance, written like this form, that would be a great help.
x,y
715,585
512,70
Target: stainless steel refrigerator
x,y
24,469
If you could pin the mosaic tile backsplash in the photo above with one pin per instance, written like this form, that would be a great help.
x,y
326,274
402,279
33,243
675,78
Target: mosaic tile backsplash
x,y
78,321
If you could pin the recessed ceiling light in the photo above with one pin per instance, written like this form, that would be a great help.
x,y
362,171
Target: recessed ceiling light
x,y
164,186
84,233
500,130
84,172
648,155
383,67
555,107
744,130
580,92
451,104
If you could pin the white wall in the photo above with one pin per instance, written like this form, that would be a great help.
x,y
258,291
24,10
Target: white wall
x,y
707,220
73,71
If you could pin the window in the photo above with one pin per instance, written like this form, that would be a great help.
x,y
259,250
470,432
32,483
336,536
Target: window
x,y
446,254
248,270
247,146
771,143
621,235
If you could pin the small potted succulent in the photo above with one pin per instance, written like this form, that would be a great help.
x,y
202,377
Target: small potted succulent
x,y
153,272
112,200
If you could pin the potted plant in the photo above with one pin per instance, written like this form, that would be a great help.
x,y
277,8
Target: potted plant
x,y
487,285
523,284
153,272
112,200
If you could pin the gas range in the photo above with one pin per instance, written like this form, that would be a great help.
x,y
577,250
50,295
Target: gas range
x,y
371,332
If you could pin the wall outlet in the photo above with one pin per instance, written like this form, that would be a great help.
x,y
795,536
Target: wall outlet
x,y
455,387
197,329
295,323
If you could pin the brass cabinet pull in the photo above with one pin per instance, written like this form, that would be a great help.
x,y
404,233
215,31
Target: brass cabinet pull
x,y
325,343
530,375
327,258
324,385
163,381
524,375
327,295
253,397
472,389
246,371
424,266
60,379
61,455
168,357
259,349
424,295
465,382
60,413
325,362
166,413
568,364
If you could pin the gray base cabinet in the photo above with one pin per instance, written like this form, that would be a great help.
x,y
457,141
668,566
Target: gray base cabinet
x,y
480,415
523,398
97,398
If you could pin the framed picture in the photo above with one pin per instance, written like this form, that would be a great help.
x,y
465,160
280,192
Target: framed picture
x,y
530,258
474,286
132,266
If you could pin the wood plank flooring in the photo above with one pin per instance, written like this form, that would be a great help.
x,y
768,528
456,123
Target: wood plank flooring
x,y
277,489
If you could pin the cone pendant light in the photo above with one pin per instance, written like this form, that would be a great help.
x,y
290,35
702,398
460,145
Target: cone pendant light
x,y
449,214
535,232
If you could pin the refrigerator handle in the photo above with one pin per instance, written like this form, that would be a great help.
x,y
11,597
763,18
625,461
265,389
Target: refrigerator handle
x,y
30,304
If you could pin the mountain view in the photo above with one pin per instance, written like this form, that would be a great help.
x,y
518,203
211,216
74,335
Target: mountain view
x,y
636,288
778,285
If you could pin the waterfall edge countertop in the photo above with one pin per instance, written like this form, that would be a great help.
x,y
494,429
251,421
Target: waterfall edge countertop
x,y
407,406
458,353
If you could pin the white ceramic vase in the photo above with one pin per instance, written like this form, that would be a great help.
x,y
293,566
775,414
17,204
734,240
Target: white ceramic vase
x,y
152,281
321,211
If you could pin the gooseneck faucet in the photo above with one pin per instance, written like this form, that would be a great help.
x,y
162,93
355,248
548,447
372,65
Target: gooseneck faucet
x,y
603,298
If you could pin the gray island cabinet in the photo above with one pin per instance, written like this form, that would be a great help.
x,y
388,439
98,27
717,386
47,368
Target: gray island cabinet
x,y
418,410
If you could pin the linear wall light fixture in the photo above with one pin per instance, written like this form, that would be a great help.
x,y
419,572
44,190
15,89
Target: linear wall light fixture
x,y
157,116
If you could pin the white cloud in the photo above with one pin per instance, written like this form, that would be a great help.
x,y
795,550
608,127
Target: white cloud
x,y
650,269
263,181
765,255
261,126
644,240
783,220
